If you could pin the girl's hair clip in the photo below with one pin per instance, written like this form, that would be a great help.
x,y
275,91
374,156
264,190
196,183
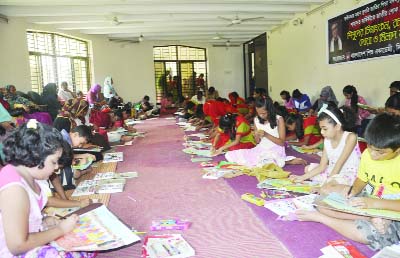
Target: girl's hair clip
x,y
32,124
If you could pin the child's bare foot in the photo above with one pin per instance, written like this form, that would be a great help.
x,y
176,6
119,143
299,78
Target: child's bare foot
x,y
380,224
297,161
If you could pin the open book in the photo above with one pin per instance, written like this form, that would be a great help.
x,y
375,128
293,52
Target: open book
x,y
338,202
113,157
113,175
286,207
287,185
166,246
88,187
98,229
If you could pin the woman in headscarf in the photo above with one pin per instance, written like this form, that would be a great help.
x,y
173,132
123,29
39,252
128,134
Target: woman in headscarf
x,y
18,102
94,96
327,96
109,91
50,98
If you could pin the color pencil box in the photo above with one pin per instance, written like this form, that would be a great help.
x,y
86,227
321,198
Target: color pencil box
x,y
169,224
251,198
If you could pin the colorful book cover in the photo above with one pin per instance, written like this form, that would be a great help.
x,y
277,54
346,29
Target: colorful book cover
x,y
98,229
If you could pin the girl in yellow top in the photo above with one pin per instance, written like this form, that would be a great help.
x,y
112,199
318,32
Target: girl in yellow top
x,y
377,186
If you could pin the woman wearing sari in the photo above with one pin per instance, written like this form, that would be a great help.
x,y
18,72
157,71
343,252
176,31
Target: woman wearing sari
x,y
18,102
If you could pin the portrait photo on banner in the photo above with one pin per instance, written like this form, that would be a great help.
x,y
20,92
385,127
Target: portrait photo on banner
x,y
369,31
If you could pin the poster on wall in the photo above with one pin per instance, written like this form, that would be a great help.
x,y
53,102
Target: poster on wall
x,y
370,31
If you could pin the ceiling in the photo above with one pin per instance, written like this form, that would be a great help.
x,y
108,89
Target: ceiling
x,y
210,21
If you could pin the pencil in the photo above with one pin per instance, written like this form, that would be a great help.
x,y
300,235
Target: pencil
x,y
139,232
349,192
59,216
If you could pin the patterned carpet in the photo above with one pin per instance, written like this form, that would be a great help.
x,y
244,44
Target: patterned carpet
x,y
170,186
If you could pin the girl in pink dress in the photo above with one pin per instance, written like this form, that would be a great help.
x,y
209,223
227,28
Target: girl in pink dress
x,y
32,152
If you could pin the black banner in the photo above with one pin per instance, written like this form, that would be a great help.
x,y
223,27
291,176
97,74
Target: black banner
x,y
370,31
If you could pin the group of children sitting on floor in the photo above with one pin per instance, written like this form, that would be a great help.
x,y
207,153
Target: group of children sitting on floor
x,y
369,179
37,147
34,150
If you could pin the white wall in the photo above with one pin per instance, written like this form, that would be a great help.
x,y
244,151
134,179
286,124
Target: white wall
x,y
297,59
130,65
226,70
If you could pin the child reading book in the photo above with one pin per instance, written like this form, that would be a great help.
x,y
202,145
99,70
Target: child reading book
x,y
32,152
376,186
341,155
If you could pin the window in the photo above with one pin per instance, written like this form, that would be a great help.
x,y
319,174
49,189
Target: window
x,y
57,58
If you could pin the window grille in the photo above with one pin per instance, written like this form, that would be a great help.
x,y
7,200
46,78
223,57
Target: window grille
x,y
57,58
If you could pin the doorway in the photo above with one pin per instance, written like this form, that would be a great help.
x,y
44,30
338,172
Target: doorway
x,y
177,69
255,64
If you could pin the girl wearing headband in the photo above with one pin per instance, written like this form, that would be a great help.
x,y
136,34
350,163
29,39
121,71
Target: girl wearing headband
x,y
341,155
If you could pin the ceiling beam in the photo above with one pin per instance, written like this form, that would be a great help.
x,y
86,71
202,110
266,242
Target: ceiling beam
x,y
141,26
153,18
135,2
149,9
221,29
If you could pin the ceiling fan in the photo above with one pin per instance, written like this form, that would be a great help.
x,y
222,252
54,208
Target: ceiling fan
x,y
116,21
219,36
127,40
227,44
237,20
